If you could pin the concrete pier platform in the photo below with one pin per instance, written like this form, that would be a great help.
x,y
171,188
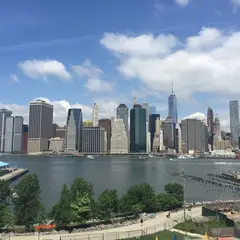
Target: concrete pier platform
x,y
14,174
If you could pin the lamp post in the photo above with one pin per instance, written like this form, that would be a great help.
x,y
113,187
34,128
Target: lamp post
x,y
182,174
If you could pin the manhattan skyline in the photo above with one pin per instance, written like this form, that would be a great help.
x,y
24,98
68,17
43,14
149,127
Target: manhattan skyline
x,y
107,54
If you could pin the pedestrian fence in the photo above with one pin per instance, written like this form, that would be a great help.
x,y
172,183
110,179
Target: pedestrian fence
x,y
122,234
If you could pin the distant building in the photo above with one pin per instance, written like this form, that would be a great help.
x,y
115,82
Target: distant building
x,y
95,113
178,139
74,130
4,113
234,122
221,144
152,127
61,132
145,105
106,124
55,126
152,110
122,113
169,133
138,129
217,129
194,136
17,134
8,146
25,139
172,107
210,123
40,126
119,139
93,140
56,144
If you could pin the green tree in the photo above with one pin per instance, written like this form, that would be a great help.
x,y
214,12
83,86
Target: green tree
x,y
108,204
42,215
176,190
81,196
27,205
166,202
139,198
62,211
81,188
5,214
81,208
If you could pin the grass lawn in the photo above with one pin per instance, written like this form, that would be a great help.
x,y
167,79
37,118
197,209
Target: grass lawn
x,y
200,227
164,235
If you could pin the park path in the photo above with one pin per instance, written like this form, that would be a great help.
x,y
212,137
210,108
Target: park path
x,y
159,223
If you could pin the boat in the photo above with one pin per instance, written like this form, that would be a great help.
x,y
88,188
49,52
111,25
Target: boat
x,y
185,157
142,157
90,157
150,155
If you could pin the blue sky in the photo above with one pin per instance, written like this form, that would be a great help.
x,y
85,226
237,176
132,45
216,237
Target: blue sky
x,y
74,53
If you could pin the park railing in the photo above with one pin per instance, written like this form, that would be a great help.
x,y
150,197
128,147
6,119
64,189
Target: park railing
x,y
111,235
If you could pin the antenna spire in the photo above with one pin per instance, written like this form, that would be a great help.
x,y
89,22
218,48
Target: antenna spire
x,y
172,88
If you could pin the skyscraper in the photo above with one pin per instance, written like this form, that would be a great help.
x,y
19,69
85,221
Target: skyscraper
x,y
210,127
8,146
169,133
122,113
40,126
119,139
172,107
194,135
74,129
17,134
152,126
4,113
106,124
25,139
145,105
138,129
95,115
216,128
234,122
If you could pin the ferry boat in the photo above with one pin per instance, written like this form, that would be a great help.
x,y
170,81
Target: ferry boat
x,y
90,157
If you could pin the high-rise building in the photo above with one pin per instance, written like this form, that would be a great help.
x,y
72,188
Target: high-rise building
x,y
4,113
8,146
145,105
234,122
210,119
172,107
55,126
138,129
25,139
216,128
61,132
93,140
95,113
194,135
40,126
152,126
152,110
119,139
17,134
106,124
74,130
178,138
122,113
169,133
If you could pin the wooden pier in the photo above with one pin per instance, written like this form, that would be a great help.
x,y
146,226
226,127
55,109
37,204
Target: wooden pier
x,y
14,174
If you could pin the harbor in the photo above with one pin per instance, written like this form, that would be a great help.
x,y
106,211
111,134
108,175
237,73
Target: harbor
x,y
8,173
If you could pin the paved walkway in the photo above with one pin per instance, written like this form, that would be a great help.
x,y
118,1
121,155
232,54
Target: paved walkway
x,y
159,223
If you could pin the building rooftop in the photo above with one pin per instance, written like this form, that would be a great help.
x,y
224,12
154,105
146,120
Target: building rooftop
x,y
122,105
3,164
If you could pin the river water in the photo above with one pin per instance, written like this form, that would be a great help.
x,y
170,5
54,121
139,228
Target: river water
x,y
122,172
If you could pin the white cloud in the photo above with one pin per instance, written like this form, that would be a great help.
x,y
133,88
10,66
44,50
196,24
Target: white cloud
x,y
44,68
14,78
206,63
236,3
197,115
182,3
141,46
93,73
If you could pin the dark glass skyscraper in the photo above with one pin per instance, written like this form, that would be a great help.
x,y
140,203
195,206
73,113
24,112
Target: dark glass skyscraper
x,y
172,107
152,126
138,138
74,129
169,133
210,126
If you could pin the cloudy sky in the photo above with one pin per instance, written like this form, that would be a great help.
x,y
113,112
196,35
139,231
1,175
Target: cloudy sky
x,y
74,53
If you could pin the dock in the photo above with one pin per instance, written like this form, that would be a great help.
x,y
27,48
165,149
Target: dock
x,y
16,173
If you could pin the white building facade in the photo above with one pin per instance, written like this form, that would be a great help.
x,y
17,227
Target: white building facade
x,y
119,139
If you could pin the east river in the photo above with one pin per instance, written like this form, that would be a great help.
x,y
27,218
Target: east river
x,y
122,172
